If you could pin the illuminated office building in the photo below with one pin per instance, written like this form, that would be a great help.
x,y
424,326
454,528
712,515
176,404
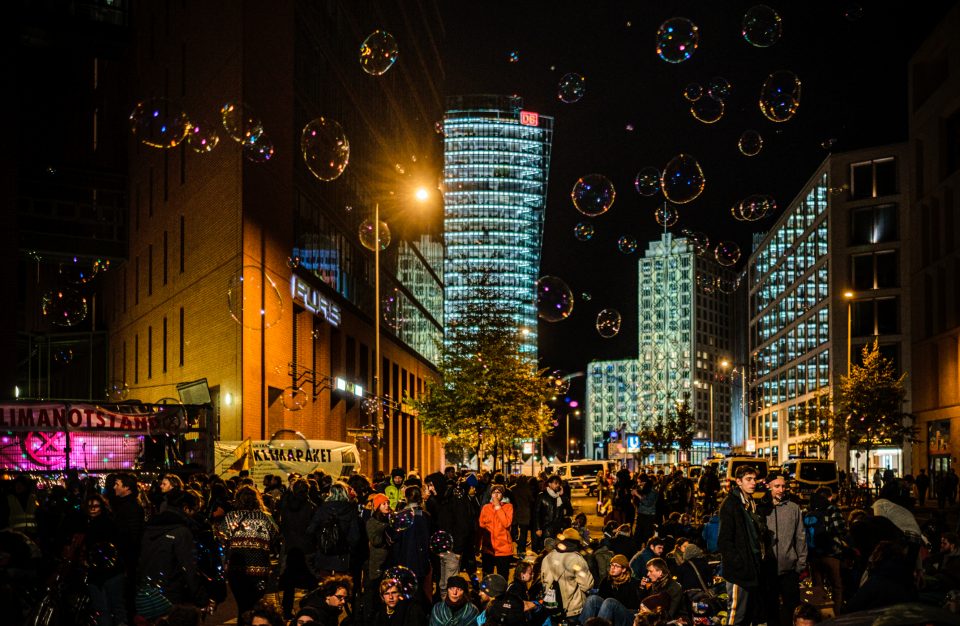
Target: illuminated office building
x,y
611,402
496,164
843,233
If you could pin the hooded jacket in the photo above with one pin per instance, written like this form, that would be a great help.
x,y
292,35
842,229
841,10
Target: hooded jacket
x,y
167,557
570,571
788,536
496,538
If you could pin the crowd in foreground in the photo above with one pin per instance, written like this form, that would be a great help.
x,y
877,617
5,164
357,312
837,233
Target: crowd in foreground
x,y
458,548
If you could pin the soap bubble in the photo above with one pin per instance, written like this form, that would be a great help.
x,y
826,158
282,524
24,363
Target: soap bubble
x,y
608,323
378,53
629,127
294,398
405,578
583,231
762,26
828,143
401,520
726,284
706,283
240,123
63,355
514,56
325,148
586,296
368,235
593,194
755,207
853,12
441,542
719,88
699,241
780,96
293,262
560,381
727,253
159,123
750,143
677,39
117,391
666,215
253,298
647,181
693,92
707,110
682,179
390,309
627,244
259,149
554,299
64,307
571,88
202,139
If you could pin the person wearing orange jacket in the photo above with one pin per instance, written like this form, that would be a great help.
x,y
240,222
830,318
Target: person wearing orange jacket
x,y
496,543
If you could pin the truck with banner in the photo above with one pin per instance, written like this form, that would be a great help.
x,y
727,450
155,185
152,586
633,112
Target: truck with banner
x,y
93,437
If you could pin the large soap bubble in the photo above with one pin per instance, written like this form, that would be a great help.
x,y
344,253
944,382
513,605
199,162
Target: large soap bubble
x,y
64,307
583,231
571,87
719,88
677,39
554,299
647,181
405,578
707,110
666,215
294,398
441,542
259,149
700,241
378,53
401,520
203,138
240,123
593,194
325,148
159,123
608,323
254,299
762,26
682,180
368,235
692,92
754,207
627,244
780,96
750,143
727,253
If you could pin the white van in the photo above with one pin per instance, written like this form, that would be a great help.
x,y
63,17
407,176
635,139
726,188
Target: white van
x,y
581,475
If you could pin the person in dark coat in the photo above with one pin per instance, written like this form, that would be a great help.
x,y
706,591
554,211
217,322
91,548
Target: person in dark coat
x,y
167,557
694,563
395,608
741,546
329,600
105,573
339,506
129,517
296,512
412,545
522,501
889,579
552,512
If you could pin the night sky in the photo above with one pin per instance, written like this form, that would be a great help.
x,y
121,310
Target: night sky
x,y
851,59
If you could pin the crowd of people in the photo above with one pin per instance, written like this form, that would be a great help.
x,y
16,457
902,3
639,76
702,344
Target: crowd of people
x,y
457,548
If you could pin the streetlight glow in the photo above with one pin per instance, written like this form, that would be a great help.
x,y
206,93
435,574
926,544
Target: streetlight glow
x,y
847,294
422,194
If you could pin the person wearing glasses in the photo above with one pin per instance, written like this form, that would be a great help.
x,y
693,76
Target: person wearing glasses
x,y
330,600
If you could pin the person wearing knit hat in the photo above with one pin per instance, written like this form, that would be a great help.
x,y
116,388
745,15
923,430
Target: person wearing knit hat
x,y
377,500
455,608
394,490
567,567
694,568
618,596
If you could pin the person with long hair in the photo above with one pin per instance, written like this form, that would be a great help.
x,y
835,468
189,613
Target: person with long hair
x,y
336,517
249,532
105,568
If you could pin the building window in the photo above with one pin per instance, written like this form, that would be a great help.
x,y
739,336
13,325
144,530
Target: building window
x,y
878,270
136,359
876,224
165,238
163,347
875,317
873,179
181,336
136,281
150,270
183,235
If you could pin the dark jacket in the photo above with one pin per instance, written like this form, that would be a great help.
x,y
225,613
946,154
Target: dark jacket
x,y
522,502
551,517
688,578
739,541
128,516
407,613
412,546
348,521
296,513
167,557
378,534
628,594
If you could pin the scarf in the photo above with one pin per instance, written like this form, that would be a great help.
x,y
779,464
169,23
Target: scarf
x,y
553,494
622,579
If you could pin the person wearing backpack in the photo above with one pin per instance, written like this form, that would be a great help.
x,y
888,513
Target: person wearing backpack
x,y
335,528
825,533
167,558
788,554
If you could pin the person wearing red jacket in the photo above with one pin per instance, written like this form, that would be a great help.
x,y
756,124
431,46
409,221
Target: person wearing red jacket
x,y
496,542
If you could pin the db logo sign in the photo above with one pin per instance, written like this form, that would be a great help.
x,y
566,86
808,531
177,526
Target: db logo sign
x,y
529,118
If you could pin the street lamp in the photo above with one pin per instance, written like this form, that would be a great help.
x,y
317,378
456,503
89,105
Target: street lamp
x,y
421,195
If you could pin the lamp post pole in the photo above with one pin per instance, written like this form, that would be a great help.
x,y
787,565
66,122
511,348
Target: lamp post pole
x,y
711,419
377,390
567,458
848,295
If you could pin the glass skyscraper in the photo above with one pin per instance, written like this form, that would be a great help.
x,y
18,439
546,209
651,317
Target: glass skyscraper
x,y
496,164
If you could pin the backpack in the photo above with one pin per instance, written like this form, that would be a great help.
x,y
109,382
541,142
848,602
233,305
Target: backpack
x,y
329,537
818,538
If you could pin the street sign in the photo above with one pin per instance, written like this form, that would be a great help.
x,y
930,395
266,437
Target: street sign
x,y
528,447
751,445
633,443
